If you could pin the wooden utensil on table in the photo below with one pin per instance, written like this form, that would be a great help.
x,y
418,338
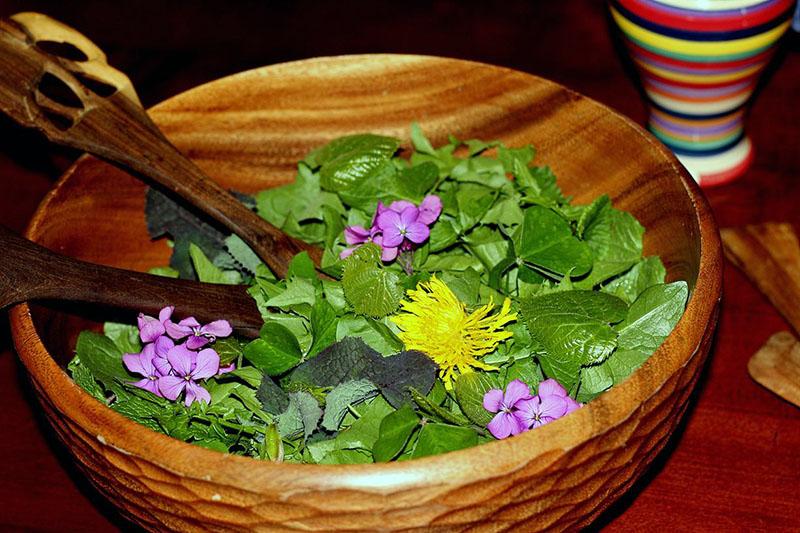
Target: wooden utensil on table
x,y
54,79
32,272
769,254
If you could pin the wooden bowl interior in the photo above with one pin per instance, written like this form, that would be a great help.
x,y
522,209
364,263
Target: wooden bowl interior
x,y
247,131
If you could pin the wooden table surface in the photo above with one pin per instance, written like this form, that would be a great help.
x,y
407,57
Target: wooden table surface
x,y
733,464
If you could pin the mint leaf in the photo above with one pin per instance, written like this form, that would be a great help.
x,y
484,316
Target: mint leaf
x,y
275,352
395,430
347,160
83,377
545,240
371,289
650,320
647,272
301,417
439,438
615,238
341,397
573,327
102,358
470,389
207,272
351,359
244,256
273,399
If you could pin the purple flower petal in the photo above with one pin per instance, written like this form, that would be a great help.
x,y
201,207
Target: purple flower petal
x,y
430,209
356,235
552,407
515,391
133,362
392,238
379,210
572,405
162,366
417,232
225,369
171,386
502,425
151,329
528,410
150,385
162,346
177,331
181,359
195,392
165,314
551,387
493,400
388,220
195,342
389,254
207,364
408,216
217,329
400,205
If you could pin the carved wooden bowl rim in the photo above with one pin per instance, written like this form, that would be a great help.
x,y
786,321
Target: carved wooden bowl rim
x,y
546,444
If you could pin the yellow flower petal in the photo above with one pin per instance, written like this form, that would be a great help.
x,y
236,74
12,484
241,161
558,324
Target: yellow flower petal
x,y
435,322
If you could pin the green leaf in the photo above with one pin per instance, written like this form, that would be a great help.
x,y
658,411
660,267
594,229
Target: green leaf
x,y
301,417
301,266
376,333
346,457
351,359
413,183
370,288
275,352
574,329
274,399
244,256
124,336
323,326
442,235
439,438
347,160
395,430
490,246
341,397
83,377
465,285
229,350
102,358
473,202
167,272
615,238
363,432
545,240
456,260
511,157
420,142
646,273
470,389
482,170
506,212
299,291
525,370
427,405
207,272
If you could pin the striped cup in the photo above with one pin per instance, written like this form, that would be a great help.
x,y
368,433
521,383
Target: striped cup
x,y
699,62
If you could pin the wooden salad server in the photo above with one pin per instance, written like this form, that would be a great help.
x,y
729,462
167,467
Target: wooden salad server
x,y
31,272
769,254
54,79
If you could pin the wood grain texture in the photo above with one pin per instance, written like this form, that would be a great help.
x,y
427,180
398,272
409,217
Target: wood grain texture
x,y
769,254
248,130
776,366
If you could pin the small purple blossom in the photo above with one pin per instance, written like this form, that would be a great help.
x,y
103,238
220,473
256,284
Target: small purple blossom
x,y
508,420
518,411
142,364
198,335
189,367
396,228
152,328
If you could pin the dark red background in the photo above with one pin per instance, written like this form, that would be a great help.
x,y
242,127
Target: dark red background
x,y
733,463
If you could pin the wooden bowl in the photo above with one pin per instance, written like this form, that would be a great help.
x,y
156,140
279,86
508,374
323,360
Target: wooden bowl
x,y
248,131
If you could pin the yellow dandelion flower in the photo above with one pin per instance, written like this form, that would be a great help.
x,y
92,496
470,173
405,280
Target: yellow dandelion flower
x,y
434,321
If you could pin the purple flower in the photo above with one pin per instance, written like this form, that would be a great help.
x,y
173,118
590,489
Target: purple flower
x,y
430,209
142,364
152,328
161,348
508,420
198,335
225,369
396,227
551,403
189,367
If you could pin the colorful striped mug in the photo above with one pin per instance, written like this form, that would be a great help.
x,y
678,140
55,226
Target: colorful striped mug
x,y
699,61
